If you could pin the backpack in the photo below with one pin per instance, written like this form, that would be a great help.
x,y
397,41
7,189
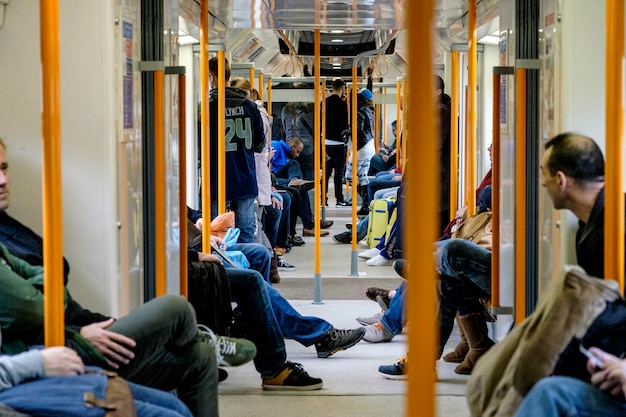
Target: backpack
x,y
477,229
209,294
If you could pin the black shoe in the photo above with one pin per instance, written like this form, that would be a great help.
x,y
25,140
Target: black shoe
x,y
363,211
349,226
336,340
345,237
344,204
221,374
292,377
296,240
325,224
401,266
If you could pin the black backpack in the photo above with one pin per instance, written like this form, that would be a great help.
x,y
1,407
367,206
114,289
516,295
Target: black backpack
x,y
209,294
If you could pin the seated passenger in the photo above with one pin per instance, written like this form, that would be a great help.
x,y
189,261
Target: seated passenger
x,y
267,318
140,347
35,373
572,172
385,159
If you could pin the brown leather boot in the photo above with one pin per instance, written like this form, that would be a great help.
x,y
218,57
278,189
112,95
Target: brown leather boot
x,y
459,352
475,329
274,277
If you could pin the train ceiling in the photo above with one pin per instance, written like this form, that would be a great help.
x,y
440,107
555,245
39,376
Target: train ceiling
x,y
278,35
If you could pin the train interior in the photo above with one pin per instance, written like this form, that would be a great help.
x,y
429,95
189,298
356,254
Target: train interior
x,y
108,50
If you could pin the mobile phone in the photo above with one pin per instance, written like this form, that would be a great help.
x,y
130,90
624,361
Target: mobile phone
x,y
594,359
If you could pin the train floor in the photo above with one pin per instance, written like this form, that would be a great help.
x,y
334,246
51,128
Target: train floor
x,y
352,385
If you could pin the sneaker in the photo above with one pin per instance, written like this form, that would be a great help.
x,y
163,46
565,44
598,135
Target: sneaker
x,y
379,260
369,254
221,374
401,266
363,211
376,333
345,237
325,224
284,265
398,370
302,185
344,204
229,351
292,377
337,340
297,241
366,321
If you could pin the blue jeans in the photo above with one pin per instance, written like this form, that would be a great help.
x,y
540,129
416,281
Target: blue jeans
x,y
245,215
256,312
285,221
303,329
258,256
380,184
155,403
271,221
465,270
393,319
564,396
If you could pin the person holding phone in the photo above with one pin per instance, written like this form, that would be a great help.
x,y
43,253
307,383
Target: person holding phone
x,y
567,396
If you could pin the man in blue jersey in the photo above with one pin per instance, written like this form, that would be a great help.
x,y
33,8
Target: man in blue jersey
x,y
244,136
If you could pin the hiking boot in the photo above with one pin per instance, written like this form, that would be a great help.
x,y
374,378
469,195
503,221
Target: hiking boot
x,y
229,351
283,265
398,370
274,276
376,333
344,237
337,340
292,377
366,321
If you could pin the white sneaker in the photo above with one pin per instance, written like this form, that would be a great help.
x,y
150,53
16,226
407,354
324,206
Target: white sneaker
x,y
369,254
376,333
366,321
379,260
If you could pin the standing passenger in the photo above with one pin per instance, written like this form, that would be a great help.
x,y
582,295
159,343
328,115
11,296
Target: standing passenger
x,y
244,136
336,123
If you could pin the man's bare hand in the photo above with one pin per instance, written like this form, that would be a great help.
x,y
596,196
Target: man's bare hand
x,y
611,377
209,257
61,361
114,346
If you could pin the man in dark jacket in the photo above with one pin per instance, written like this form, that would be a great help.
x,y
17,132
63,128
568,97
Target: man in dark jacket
x,y
244,137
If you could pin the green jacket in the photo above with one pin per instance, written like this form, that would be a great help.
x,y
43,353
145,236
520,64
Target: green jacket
x,y
21,310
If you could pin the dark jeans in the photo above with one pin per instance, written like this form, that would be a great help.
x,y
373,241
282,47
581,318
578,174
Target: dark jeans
x,y
285,221
169,354
336,162
271,221
377,164
288,172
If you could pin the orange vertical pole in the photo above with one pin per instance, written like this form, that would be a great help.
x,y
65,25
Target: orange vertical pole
x,y
404,123
323,143
269,94
454,137
182,187
221,134
355,180
520,195
316,169
205,160
159,181
422,204
399,124
54,324
614,195
472,56
384,126
251,77
260,89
